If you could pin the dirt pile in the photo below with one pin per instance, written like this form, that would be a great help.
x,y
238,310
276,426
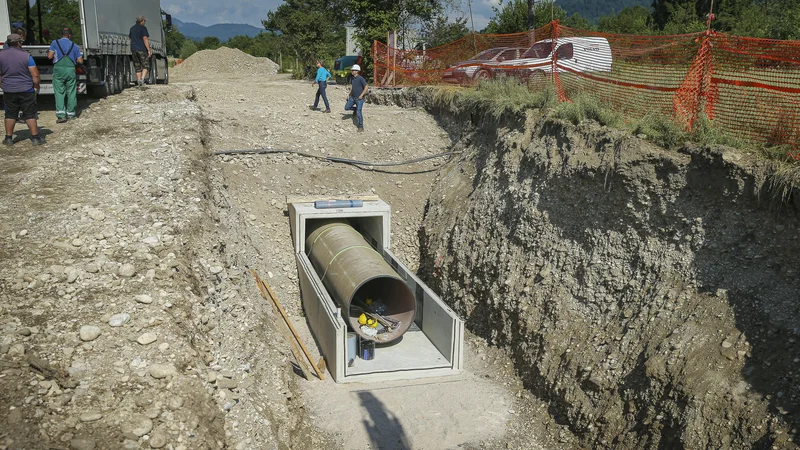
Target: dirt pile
x,y
223,61
649,296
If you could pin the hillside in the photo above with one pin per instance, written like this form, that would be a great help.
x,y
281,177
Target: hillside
x,y
223,31
594,9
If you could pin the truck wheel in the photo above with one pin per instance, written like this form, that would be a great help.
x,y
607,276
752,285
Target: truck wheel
x,y
108,78
348,79
119,73
126,77
153,75
166,71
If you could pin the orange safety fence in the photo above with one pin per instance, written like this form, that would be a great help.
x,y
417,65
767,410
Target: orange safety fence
x,y
746,87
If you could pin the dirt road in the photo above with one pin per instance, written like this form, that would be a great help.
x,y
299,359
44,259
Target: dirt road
x,y
128,318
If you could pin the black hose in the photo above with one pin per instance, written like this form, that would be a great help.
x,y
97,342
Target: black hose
x,y
261,151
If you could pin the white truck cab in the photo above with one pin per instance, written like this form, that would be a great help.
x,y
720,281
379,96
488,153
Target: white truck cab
x,y
569,54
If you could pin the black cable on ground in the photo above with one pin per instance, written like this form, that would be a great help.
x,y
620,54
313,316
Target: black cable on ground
x,y
355,162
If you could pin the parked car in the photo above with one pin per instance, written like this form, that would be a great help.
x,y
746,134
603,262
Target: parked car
x,y
341,68
573,54
478,67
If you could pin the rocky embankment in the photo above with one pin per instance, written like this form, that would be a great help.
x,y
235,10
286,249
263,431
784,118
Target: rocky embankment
x,y
650,296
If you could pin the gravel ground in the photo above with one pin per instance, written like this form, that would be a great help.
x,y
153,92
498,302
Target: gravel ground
x,y
97,306
128,318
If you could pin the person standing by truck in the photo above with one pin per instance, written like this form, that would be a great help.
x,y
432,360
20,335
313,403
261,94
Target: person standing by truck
x,y
65,55
357,92
322,81
140,48
19,80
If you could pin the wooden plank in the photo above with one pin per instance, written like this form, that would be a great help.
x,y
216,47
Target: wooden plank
x,y
293,330
295,351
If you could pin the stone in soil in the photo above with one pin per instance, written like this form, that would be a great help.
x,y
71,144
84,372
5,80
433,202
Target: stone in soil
x,y
147,338
159,371
144,298
127,270
158,438
82,444
89,333
227,383
118,320
137,425
91,416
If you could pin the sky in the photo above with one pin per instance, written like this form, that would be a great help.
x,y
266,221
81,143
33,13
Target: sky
x,y
210,12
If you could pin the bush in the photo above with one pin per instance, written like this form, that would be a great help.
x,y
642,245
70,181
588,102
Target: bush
x,y
188,49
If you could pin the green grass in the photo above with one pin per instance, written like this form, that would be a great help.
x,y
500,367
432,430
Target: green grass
x,y
496,97
507,95
585,107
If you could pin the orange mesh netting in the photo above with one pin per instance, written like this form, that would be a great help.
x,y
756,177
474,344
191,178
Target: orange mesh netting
x,y
746,87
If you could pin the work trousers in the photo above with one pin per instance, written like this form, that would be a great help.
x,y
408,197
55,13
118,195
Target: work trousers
x,y
321,91
358,105
65,87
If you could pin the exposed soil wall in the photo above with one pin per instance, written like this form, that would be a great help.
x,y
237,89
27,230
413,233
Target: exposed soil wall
x,y
650,296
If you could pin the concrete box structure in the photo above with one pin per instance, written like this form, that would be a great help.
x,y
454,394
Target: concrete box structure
x,y
432,347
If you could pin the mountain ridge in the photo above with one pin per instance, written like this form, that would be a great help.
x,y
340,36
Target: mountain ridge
x,y
222,31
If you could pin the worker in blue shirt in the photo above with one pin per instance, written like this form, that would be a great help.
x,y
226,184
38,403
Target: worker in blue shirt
x,y
65,55
322,81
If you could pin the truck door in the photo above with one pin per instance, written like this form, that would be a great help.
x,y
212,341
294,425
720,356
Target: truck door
x,y
91,37
564,56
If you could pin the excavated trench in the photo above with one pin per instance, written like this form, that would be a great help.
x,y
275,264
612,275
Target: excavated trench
x,y
649,296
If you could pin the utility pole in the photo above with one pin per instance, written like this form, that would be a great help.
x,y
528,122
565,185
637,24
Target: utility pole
x,y
472,21
531,14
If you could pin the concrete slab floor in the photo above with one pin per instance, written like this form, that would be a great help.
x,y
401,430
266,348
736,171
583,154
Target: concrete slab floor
x,y
431,413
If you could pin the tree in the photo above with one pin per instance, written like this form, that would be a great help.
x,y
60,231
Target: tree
x,y
439,30
174,41
577,21
776,19
680,18
56,14
188,49
312,29
209,43
374,19
632,20
512,17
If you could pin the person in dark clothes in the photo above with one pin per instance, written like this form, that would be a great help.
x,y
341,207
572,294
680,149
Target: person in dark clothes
x,y
357,92
19,80
140,48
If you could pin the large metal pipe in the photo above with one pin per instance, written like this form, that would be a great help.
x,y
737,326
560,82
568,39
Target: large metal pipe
x,y
353,271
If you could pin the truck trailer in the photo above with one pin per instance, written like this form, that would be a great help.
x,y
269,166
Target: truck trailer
x,y
102,27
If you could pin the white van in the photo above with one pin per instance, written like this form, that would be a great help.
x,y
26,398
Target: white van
x,y
569,54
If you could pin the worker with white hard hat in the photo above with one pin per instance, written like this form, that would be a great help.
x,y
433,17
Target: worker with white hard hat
x,y
357,92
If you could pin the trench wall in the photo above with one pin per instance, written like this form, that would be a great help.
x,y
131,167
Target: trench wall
x,y
652,297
